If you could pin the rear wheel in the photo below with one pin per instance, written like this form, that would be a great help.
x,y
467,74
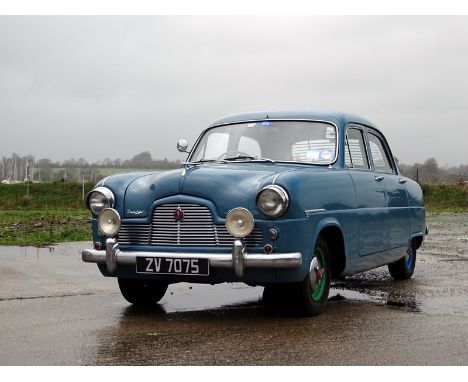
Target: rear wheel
x,y
142,292
403,268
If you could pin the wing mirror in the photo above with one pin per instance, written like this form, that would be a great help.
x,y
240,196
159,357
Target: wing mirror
x,y
182,146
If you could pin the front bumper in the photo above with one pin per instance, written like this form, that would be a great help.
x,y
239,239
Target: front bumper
x,y
238,260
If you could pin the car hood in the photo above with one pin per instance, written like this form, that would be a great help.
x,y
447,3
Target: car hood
x,y
226,185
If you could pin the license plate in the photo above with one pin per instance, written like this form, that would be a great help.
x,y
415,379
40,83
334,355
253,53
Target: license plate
x,y
169,266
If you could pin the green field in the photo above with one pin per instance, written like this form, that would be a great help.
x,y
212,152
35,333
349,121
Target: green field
x,y
54,212
43,227
442,197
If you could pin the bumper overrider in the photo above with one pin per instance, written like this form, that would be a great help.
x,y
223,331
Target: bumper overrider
x,y
238,259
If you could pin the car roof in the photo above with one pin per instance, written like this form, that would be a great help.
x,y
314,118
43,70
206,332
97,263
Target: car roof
x,y
339,118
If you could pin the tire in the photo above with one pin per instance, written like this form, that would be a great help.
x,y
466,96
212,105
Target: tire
x,y
312,293
277,295
142,292
403,268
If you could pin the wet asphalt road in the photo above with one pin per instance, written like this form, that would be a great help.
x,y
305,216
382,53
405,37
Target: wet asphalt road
x,y
57,310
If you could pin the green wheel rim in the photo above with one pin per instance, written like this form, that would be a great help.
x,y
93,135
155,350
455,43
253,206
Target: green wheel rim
x,y
317,293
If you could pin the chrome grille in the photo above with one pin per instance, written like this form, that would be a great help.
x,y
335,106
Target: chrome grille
x,y
196,229
134,233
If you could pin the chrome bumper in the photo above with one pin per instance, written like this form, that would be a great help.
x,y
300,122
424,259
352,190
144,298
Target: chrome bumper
x,y
238,260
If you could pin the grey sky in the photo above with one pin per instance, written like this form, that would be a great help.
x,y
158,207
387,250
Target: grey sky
x,y
97,87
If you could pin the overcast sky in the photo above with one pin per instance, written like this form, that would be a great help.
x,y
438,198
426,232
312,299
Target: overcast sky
x,y
111,87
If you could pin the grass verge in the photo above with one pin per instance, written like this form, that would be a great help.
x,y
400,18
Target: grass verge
x,y
445,197
44,227
54,212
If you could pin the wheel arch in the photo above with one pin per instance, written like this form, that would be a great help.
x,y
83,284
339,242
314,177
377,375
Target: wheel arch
x,y
330,230
417,240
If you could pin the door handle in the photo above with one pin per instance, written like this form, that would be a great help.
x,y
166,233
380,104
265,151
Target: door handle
x,y
402,181
379,178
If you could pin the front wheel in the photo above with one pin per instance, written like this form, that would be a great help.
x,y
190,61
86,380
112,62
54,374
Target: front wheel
x,y
313,291
403,268
142,292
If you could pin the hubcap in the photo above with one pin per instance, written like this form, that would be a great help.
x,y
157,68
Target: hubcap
x,y
409,258
317,275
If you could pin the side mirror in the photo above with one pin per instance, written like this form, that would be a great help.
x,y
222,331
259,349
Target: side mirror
x,y
182,146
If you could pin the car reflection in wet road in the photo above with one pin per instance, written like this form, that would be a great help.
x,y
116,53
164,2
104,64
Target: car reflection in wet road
x,y
56,310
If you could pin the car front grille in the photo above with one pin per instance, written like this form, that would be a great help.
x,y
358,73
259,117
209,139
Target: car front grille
x,y
195,229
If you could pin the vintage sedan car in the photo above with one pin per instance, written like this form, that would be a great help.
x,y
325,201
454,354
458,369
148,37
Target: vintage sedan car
x,y
284,200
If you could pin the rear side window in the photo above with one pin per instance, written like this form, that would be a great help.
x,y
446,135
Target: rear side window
x,y
379,154
355,150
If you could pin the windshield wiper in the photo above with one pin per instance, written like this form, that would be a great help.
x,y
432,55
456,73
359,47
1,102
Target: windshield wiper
x,y
209,160
231,159
201,161
240,157
252,158
264,160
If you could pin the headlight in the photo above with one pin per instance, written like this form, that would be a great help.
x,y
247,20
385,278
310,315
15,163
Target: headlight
x,y
239,222
109,222
273,201
100,198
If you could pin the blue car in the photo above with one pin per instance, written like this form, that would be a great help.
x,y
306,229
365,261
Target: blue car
x,y
284,200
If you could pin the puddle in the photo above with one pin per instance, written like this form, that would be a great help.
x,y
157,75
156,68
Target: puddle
x,y
439,285
189,297
378,297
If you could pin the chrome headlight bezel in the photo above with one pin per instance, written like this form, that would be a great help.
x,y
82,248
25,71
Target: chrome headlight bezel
x,y
276,195
239,222
107,196
109,222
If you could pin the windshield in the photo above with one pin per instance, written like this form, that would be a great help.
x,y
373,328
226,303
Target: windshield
x,y
297,141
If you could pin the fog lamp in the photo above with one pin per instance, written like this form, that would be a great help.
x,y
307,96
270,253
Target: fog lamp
x,y
239,222
109,222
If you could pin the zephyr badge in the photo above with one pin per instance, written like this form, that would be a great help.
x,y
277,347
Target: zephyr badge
x,y
135,212
179,214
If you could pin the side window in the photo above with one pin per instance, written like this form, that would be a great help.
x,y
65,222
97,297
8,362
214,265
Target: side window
x,y
379,154
355,151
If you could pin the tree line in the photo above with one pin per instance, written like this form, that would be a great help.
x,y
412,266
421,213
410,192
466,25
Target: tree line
x,y
20,169
430,172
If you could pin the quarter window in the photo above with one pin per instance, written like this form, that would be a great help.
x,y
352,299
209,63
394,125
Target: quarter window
x,y
379,154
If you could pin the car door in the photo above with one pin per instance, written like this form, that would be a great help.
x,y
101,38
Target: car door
x,y
371,204
395,187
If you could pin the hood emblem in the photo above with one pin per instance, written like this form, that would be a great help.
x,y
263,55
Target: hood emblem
x,y
179,214
135,212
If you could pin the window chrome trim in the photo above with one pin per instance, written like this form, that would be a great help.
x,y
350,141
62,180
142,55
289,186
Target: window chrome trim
x,y
364,137
388,152
337,140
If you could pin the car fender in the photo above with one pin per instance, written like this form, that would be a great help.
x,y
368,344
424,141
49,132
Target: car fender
x,y
326,221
